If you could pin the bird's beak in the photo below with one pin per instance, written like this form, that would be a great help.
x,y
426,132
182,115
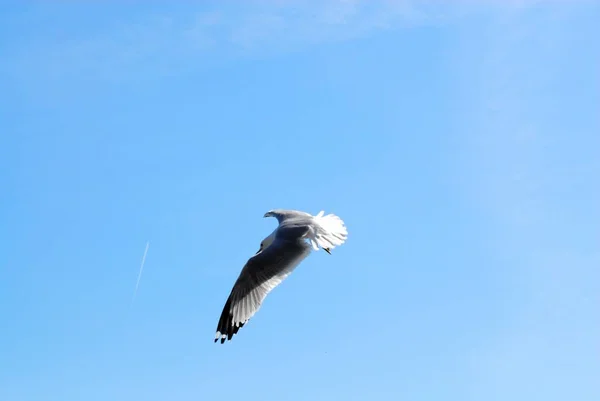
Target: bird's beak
x,y
327,250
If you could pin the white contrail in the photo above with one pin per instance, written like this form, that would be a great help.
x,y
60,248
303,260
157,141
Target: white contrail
x,y
141,269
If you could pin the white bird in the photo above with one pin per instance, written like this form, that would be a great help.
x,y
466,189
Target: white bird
x,y
279,254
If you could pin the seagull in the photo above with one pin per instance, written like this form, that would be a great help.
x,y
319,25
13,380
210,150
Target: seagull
x,y
279,254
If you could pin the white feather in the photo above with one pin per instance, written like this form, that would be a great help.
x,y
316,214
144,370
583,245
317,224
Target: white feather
x,y
329,231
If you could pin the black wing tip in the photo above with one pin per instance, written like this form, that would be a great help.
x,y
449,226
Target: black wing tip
x,y
228,331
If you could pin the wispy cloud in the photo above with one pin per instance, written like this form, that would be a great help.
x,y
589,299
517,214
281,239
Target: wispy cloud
x,y
141,270
169,40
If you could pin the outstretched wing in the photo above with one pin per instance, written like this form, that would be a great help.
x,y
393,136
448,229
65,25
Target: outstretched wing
x,y
263,272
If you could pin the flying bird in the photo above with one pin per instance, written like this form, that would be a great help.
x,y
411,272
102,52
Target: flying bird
x,y
279,254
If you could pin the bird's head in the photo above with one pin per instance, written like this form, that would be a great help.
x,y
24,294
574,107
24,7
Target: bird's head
x,y
280,214
272,213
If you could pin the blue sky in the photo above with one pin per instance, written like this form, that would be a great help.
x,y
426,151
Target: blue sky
x,y
458,141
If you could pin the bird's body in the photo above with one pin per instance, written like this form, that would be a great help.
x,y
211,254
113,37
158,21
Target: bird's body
x,y
279,254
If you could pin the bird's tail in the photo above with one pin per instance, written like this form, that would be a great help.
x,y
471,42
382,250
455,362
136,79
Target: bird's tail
x,y
329,231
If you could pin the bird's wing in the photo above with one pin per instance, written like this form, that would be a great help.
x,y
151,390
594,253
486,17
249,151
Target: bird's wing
x,y
263,272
